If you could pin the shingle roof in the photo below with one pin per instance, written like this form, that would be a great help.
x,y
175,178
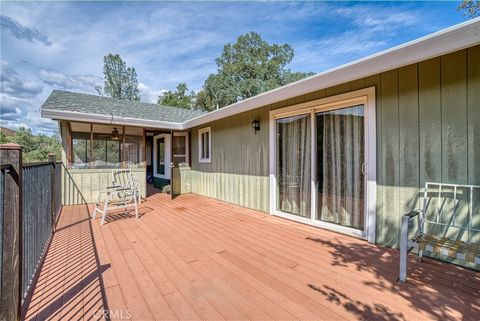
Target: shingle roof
x,y
83,103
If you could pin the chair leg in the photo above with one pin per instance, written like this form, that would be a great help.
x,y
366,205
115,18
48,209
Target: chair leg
x,y
136,208
105,209
94,214
403,249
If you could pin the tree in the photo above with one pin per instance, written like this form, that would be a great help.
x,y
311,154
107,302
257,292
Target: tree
x,y
247,68
290,76
120,81
181,97
35,147
472,7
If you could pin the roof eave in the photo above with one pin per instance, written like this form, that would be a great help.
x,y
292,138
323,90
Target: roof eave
x,y
108,119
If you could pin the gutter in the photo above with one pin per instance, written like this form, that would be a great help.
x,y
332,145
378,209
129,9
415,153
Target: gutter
x,y
108,119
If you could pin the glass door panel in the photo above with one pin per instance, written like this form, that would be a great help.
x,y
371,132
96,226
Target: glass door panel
x,y
293,165
161,156
340,163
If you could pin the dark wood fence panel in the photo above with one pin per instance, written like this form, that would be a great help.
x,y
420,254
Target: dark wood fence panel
x,y
11,230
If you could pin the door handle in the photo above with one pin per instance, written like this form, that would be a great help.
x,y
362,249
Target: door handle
x,y
364,169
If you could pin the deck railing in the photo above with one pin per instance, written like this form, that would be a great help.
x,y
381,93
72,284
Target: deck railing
x,y
42,185
30,203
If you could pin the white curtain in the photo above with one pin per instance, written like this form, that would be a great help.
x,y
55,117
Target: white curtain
x,y
340,157
293,165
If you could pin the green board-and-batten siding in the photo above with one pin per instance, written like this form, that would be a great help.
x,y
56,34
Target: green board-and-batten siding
x,y
428,129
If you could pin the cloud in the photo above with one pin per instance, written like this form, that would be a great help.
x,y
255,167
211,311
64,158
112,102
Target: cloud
x,y
22,32
148,94
10,108
172,42
13,84
61,80
369,29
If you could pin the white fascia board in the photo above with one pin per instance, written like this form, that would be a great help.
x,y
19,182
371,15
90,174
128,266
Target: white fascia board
x,y
455,38
108,119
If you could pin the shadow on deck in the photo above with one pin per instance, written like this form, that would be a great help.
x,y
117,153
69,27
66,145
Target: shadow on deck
x,y
196,258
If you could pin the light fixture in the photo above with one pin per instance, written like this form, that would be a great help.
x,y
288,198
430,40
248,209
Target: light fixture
x,y
256,125
115,134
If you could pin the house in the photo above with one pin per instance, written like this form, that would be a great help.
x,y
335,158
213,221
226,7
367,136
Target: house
x,y
348,149
7,131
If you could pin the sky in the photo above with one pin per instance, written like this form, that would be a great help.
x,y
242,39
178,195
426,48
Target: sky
x,y
60,45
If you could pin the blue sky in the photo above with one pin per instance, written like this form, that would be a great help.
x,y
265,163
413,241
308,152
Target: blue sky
x,y
61,45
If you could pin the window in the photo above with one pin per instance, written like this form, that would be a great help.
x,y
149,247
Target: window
x,y
204,145
106,151
132,150
104,146
180,148
80,150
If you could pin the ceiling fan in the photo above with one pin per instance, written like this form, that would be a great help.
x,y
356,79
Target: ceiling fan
x,y
115,135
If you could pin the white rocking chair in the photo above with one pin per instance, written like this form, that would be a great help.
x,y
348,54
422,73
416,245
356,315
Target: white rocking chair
x,y
123,194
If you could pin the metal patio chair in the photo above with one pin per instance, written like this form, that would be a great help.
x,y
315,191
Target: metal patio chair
x,y
123,194
126,179
438,229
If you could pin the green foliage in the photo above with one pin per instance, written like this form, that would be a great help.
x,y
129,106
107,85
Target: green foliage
x,y
120,81
181,97
35,147
471,7
247,68
289,76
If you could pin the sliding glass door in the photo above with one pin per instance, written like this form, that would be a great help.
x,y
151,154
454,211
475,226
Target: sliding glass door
x,y
319,165
293,168
340,164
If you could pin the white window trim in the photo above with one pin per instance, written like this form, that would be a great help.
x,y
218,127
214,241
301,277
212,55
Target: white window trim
x,y
200,146
363,96
187,147
167,155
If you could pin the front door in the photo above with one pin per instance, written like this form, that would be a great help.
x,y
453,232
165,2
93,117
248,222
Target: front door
x,y
161,156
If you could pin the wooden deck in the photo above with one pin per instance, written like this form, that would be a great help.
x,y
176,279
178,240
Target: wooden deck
x,y
195,258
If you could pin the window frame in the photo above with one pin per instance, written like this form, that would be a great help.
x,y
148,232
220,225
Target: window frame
x,y
200,145
187,147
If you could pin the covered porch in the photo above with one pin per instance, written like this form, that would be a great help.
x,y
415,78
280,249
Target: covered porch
x,y
158,157
196,258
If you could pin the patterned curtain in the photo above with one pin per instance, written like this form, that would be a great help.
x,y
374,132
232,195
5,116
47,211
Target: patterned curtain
x,y
340,157
294,165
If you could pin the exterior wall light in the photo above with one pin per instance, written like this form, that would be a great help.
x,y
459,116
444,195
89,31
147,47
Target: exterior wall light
x,y
256,125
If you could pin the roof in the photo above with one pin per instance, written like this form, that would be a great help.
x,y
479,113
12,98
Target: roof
x,y
7,131
448,40
115,109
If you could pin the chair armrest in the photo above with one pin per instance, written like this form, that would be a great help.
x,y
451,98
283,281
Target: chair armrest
x,y
109,188
413,213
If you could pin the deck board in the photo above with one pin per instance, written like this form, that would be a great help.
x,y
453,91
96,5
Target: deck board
x,y
196,258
